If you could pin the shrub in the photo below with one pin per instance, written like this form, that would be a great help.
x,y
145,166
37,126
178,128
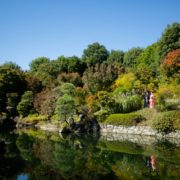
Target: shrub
x,y
149,115
101,115
167,121
124,119
128,104
167,96
34,118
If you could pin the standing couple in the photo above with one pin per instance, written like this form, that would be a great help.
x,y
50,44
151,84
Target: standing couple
x,y
149,100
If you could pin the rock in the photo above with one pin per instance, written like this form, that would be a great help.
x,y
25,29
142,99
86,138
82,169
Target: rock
x,y
65,130
84,125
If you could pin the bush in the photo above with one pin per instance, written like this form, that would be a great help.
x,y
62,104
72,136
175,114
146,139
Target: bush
x,y
128,104
167,121
149,115
129,119
34,118
101,115
167,97
167,106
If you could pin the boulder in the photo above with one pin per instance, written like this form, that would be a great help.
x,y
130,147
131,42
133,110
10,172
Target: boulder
x,y
84,125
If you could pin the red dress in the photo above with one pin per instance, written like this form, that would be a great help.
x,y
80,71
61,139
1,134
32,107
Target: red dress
x,y
151,101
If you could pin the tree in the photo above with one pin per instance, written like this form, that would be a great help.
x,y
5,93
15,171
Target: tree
x,y
100,77
130,57
26,104
61,64
11,65
75,64
80,95
150,58
36,63
12,80
33,82
67,88
65,107
69,65
124,83
44,70
170,39
44,102
116,57
95,53
65,104
73,78
147,78
171,63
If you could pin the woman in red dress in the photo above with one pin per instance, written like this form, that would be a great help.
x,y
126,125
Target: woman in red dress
x,y
153,162
151,101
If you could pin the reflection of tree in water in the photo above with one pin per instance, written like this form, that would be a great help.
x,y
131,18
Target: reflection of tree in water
x,y
25,144
11,162
47,156
85,157
70,160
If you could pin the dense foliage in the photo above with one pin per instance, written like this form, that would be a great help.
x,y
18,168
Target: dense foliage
x,y
167,121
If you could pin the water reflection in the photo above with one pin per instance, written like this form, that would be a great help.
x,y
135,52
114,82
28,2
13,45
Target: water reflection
x,y
32,154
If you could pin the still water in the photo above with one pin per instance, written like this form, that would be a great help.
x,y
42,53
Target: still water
x,y
34,154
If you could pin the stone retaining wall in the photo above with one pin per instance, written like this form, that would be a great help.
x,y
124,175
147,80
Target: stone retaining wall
x,y
137,130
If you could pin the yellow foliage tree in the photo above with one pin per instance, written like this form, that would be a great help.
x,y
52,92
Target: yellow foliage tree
x,y
125,82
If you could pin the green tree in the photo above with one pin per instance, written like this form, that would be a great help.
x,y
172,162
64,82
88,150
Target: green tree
x,y
67,88
36,63
12,80
61,64
116,57
65,104
130,57
65,107
11,65
95,53
75,64
146,76
26,104
170,39
150,58
44,70
69,65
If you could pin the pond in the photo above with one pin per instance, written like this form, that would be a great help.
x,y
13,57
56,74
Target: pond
x,y
34,154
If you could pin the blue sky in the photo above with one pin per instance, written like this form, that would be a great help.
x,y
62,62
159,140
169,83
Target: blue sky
x,y
50,28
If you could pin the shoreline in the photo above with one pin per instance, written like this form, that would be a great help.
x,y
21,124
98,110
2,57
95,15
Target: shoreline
x,y
122,130
138,130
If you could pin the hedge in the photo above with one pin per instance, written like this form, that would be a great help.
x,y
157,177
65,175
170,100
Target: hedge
x,y
128,119
167,121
